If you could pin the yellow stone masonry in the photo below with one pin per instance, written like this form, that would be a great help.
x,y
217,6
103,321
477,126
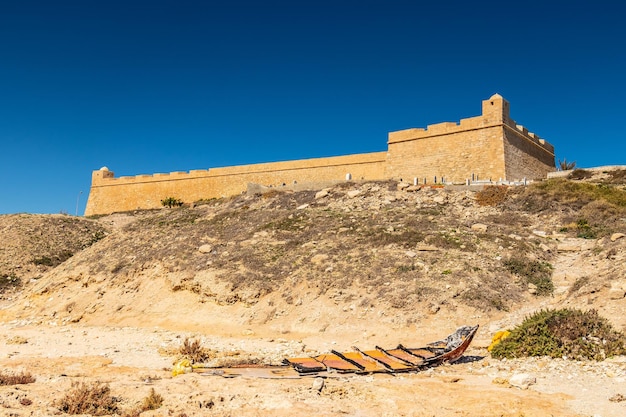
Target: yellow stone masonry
x,y
490,146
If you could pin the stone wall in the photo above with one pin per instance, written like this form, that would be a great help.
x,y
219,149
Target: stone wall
x,y
109,194
489,146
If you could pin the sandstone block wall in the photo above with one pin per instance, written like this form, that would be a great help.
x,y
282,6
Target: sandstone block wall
x,y
489,146
109,194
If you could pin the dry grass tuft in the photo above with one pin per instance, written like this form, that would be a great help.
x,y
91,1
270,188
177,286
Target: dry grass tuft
x,y
492,195
17,340
94,399
193,350
16,379
152,401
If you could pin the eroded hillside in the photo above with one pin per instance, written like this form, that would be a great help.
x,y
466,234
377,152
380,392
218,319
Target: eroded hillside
x,y
334,260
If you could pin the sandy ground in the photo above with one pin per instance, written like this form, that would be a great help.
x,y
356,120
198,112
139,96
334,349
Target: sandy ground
x,y
134,360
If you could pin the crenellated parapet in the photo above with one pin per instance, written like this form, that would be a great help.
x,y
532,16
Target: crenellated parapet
x,y
491,145
495,113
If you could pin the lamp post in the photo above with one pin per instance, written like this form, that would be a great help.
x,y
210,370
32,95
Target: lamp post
x,y
77,198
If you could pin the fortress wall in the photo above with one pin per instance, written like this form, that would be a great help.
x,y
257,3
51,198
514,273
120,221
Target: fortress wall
x,y
109,194
526,155
489,146
455,155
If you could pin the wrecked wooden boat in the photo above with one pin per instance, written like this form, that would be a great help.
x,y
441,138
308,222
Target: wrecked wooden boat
x,y
400,359
378,360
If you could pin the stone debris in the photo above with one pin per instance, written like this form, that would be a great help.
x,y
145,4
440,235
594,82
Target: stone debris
x,y
522,380
618,290
321,194
205,249
479,227
616,236
318,384
319,258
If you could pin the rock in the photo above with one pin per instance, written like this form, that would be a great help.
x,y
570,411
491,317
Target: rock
x,y
522,381
413,188
479,227
544,247
318,259
403,185
617,291
433,309
318,384
353,193
439,199
302,207
321,194
205,249
532,288
426,248
616,236
410,254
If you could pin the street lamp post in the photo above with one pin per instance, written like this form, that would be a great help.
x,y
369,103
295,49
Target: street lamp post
x,y
77,198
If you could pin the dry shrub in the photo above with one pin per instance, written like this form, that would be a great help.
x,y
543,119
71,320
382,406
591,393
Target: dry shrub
x,y
193,350
272,194
94,399
152,401
617,176
492,195
16,379
579,174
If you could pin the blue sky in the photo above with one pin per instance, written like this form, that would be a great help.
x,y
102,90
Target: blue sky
x,y
159,86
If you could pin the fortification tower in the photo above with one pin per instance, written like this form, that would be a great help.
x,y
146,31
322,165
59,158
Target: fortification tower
x,y
495,110
489,146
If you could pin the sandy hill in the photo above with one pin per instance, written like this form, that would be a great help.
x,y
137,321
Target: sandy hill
x,y
367,263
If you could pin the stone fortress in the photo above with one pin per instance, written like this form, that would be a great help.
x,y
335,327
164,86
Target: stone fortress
x,y
486,147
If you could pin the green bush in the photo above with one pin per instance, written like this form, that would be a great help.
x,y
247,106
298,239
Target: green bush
x,y
171,202
9,281
569,333
532,272
585,230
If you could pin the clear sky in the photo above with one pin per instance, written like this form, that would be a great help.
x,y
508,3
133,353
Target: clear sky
x,y
172,85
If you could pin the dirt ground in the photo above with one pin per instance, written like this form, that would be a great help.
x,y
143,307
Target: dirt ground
x,y
129,360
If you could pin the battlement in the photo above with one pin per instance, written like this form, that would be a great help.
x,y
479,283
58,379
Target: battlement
x,y
495,112
488,146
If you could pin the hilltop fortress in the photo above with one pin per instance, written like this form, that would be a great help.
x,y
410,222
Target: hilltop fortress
x,y
489,146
